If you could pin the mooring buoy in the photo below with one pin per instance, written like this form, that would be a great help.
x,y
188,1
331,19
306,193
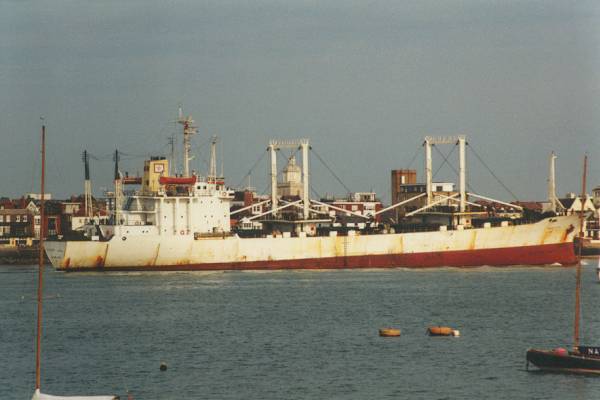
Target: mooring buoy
x,y
389,332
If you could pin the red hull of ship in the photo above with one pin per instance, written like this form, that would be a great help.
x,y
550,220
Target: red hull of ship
x,y
561,253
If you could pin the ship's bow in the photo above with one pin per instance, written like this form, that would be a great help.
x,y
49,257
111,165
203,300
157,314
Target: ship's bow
x,y
55,250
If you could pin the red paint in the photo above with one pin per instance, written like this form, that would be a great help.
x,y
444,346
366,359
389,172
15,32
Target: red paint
x,y
172,180
529,255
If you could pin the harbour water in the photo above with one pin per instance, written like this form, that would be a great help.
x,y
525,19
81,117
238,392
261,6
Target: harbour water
x,y
295,334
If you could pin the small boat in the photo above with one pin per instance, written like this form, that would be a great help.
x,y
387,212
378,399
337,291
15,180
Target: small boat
x,y
584,361
38,395
581,359
389,332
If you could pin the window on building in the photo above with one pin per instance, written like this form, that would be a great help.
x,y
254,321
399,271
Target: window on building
x,y
18,218
24,218
52,226
8,218
354,207
1,218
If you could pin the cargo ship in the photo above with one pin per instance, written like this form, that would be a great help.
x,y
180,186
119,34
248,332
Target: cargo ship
x,y
183,222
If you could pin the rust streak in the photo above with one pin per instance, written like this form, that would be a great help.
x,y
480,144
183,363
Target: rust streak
x,y
99,263
545,235
473,238
152,261
565,235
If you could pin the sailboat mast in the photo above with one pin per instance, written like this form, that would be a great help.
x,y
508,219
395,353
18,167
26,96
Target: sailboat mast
x,y
40,267
578,278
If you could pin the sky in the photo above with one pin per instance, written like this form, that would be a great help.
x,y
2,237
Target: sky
x,y
365,81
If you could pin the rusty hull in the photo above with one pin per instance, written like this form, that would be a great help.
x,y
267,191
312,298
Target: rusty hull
x,y
546,242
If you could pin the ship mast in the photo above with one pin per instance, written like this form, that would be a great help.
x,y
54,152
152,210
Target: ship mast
x,y
118,190
171,142
578,277
212,174
188,130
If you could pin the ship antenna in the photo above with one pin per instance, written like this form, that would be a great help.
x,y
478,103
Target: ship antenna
x,y
188,130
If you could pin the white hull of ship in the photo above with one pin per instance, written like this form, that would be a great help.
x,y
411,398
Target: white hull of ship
x,y
545,242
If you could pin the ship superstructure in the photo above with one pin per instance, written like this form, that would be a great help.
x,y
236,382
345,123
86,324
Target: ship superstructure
x,y
172,206
180,205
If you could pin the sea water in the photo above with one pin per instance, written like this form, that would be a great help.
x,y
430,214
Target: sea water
x,y
295,334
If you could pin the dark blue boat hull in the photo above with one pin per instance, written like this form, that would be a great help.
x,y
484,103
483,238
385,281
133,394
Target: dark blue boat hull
x,y
576,363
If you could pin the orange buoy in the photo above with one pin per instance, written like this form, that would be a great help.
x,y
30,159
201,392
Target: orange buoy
x,y
389,332
442,331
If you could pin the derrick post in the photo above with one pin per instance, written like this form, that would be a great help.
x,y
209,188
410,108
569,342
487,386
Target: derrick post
x,y
552,183
273,177
305,192
462,173
428,173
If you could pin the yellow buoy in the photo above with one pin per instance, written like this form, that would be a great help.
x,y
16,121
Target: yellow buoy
x,y
442,331
389,332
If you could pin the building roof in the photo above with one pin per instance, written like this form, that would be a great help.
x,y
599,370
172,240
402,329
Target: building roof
x,y
15,211
567,202
6,204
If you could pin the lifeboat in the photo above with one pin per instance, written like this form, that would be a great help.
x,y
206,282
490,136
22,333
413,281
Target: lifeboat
x,y
389,332
442,331
174,180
